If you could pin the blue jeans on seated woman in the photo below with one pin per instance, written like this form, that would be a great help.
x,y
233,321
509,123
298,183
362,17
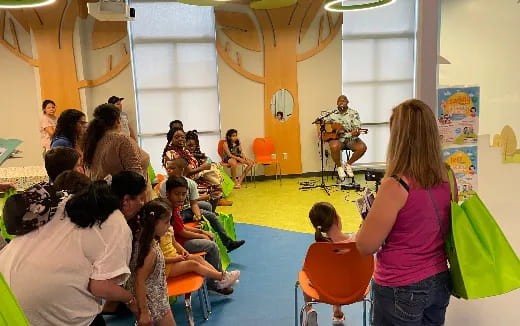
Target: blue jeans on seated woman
x,y
419,304
206,210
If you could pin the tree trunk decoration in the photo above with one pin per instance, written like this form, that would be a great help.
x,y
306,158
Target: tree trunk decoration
x,y
52,28
282,30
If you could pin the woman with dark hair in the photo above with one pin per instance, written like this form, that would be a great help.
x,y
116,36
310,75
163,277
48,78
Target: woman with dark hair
x,y
69,129
47,124
80,256
107,151
130,189
176,148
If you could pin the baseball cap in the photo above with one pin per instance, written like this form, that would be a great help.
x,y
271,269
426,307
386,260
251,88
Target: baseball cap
x,y
115,99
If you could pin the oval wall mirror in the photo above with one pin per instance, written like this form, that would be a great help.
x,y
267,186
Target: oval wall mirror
x,y
282,105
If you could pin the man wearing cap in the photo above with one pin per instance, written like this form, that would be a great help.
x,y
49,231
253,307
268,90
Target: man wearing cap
x,y
126,129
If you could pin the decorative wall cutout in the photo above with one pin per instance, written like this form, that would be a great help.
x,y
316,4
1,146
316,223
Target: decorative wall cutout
x,y
282,30
508,143
52,28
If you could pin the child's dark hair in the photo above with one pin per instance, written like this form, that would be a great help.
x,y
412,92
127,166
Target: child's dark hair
x,y
230,133
150,213
92,205
47,102
71,181
323,216
59,159
178,122
176,182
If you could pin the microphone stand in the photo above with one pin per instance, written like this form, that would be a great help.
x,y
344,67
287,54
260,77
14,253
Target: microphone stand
x,y
321,121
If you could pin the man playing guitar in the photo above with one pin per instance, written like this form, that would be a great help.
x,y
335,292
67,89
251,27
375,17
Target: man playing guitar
x,y
347,137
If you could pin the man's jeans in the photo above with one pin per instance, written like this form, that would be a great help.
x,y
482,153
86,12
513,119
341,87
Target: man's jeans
x,y
205,209
420,304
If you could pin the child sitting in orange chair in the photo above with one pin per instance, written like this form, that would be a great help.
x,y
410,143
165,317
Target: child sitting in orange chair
x,y
327,226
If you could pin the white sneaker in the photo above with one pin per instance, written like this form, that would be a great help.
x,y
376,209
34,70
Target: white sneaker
x,y
348,169
229,279
341,172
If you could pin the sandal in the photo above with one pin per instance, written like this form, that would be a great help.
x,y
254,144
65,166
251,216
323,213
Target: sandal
x,y
311,318
338,320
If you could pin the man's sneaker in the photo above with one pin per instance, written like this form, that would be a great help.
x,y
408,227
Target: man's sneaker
x,y
235,245
348,169
228,280
223,292
341,172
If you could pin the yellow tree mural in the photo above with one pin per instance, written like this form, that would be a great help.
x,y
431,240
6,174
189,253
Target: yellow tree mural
x,y
281,32
52,29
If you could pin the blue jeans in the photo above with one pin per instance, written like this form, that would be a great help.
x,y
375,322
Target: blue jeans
x,y
205,209
419,304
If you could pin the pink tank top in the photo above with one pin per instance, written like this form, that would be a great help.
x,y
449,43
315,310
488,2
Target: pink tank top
x,y
414,249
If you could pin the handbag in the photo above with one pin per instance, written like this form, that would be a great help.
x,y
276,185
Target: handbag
x,y
227,184
229,225
224,256
482,262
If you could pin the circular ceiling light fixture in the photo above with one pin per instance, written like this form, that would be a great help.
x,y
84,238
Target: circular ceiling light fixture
x,y
337,5
18,4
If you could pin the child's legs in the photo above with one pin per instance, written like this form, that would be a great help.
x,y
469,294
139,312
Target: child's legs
x,y
336,311
187,266
202,261
167,320
233,163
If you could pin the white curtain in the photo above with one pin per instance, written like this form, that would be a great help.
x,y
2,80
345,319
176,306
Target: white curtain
x,y
175,67
378,67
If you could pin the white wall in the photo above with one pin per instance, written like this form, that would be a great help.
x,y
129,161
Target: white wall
x,y
20,110
480,39
498,185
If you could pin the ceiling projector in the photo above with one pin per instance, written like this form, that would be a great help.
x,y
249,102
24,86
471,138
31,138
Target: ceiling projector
x,y
111,10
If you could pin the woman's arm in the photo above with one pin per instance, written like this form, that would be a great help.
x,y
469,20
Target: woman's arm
x,y
110,291
142,274
391,197
202,167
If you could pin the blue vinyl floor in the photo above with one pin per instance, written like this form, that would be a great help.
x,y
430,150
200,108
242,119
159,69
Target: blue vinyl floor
x,y
269,263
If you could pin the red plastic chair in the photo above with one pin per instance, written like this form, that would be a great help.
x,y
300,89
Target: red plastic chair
x,y
336,274
220,150
186,284
263,148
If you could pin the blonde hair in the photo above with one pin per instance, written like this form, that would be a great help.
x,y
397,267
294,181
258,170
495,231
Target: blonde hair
x,y
414,149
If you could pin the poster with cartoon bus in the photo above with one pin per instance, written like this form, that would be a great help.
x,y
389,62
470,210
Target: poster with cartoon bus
x,y
463,162
458,112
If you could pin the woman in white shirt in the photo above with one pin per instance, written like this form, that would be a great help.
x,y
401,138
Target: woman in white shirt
x,y
61,272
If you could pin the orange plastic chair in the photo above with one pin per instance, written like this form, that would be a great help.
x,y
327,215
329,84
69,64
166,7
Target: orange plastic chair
x,y
160,178
220,150
263,148
335,274
186,284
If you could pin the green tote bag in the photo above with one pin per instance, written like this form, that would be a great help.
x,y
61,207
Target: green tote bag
x,y
482,262
10,313
224,257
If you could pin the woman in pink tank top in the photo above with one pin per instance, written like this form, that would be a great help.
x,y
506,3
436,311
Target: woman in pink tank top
x,y
407,223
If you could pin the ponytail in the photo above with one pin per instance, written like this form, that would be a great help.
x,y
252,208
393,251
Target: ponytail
x,y
105,118
319,237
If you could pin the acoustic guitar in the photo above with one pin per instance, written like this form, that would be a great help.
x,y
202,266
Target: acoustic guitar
x,y
331,131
